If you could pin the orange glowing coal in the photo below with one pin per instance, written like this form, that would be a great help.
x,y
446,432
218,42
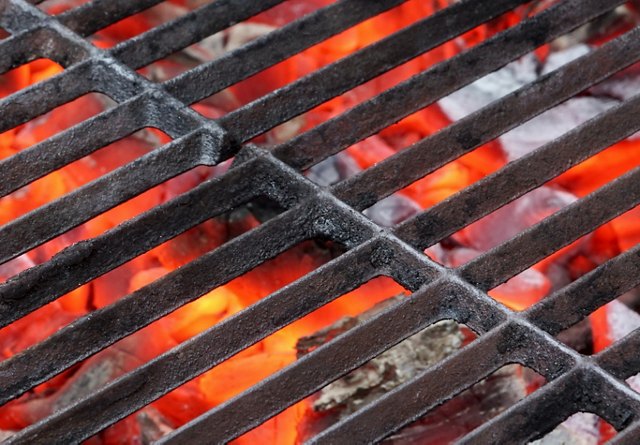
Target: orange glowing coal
x,y
276,351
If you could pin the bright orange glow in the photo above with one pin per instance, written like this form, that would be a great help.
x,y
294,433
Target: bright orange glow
x,y
278,350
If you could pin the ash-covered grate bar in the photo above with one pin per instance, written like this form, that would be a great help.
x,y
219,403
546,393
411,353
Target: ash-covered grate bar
x,y
89,201
93,16
553,233
186,30
312,212
343,75
444,78
553,403
280,44
567,307
426,156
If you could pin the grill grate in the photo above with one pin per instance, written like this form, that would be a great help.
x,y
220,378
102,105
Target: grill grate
x,y
577,383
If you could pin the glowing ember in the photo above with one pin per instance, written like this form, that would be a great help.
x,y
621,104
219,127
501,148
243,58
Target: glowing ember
x,y
278,350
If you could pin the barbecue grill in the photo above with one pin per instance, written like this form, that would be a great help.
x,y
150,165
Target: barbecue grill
x,y
575,382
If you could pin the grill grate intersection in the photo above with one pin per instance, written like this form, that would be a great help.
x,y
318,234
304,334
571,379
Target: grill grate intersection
x,y
438,293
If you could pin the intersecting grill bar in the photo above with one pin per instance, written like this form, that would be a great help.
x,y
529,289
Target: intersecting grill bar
x,y
575,383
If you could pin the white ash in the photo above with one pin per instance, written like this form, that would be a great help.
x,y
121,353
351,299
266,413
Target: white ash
x,y
620,88
560,58
622,321
15,266
228,40
6,434
541,129
153,425
285,132
387,212
553,124
392,368
392,210
389,369
333,170
490,88
508,221
579,429
526,283
208,49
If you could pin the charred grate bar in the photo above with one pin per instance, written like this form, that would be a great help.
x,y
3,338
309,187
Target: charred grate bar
x,y
576,383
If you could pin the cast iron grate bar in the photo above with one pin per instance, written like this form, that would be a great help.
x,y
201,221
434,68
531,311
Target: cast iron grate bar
x,y
426,156
93,16
557,148
311,212
423,89
507,193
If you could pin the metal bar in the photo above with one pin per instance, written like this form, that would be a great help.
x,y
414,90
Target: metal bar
x,y
102,194
212,77
411,400
584,389
16,50
576,301
159,298
328,82
520,176
188,29
213,346
425,88
332,360
90,259
630,435
35,162
97,14
551,234
411,164
622,359
42,97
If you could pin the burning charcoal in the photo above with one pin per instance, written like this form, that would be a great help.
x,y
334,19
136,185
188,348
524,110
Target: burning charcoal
x,y
614,22
284,132
631,299
333,170
218,44
523,290
519,292
392,210
559,58
621,320
490,88
579,429
618,88
401,363
513,218
436,253
91,378
541,129
389,369
553,124
467,411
